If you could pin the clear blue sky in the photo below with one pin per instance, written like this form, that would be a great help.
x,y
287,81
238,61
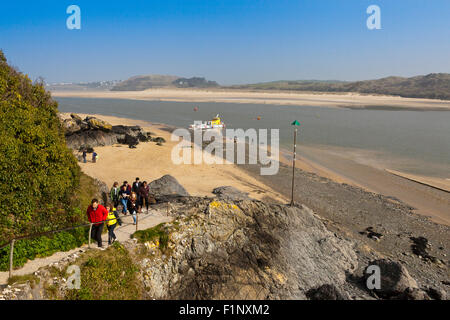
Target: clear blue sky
x,y
228,41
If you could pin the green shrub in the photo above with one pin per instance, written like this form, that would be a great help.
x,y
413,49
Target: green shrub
x,y
30,249
38,173
151,234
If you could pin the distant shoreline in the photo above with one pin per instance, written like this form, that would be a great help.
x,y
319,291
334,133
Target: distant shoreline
x,y
336,100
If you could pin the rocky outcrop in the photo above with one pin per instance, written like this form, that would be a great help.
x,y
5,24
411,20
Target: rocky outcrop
x,y
244,250
93,132
230,193
167,186
395,280
102,192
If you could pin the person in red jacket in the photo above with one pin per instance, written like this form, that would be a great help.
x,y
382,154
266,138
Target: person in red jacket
x,y
97,213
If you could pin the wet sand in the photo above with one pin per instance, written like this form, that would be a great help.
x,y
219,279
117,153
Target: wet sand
x,y
426,200
345,100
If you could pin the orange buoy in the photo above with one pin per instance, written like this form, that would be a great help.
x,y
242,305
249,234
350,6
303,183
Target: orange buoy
x,y
196,109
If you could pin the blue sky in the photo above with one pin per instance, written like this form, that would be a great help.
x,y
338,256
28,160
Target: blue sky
x,y
228,41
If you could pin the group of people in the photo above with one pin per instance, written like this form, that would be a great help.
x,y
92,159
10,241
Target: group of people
x,y
98,215
133,199
94,156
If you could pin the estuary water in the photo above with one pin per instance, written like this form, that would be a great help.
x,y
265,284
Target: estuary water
x,y
412,141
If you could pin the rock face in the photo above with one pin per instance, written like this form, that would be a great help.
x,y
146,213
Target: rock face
x,y
245,250
103,192
325,292
167,186
93,132
395,279
230,193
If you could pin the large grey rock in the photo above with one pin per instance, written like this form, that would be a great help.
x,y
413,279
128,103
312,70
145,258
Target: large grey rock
x,y
230,193
90,138
394,278
167,186
102,193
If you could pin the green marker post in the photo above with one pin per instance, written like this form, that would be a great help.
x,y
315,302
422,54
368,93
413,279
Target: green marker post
x,y
295,124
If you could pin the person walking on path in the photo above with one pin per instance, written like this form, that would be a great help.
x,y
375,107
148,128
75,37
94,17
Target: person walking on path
x,y
112,220
114,194
125,183
133,206
94,157
124,197
135,189
143,195
84,155
97,214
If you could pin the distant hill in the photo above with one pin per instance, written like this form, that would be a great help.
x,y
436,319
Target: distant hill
x,y
194,82
432,86
140,83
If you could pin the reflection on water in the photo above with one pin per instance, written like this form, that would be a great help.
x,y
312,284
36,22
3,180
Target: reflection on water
x,y
414,141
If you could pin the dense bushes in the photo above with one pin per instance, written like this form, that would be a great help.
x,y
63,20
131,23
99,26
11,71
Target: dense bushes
x,y
30,249
38,173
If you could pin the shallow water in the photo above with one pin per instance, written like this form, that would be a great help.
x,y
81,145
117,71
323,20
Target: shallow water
x,y
412,141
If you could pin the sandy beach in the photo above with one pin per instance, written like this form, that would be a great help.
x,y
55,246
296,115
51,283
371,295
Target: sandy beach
x,y
150,161
344,100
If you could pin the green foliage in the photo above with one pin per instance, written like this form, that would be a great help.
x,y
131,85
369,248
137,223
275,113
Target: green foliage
x,y
30,249
107,275
151,234
38,173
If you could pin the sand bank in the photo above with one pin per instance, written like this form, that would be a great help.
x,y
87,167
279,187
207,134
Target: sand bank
x,y
346,100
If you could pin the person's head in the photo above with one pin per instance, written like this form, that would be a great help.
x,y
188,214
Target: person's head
x,y
137,179
115,184
124,187
133,196
110,207
94,203
125,183
144,183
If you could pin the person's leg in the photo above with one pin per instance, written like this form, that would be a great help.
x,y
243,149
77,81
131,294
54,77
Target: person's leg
x,y
94,232
124,203
134,216
99,235
113,235
109,234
